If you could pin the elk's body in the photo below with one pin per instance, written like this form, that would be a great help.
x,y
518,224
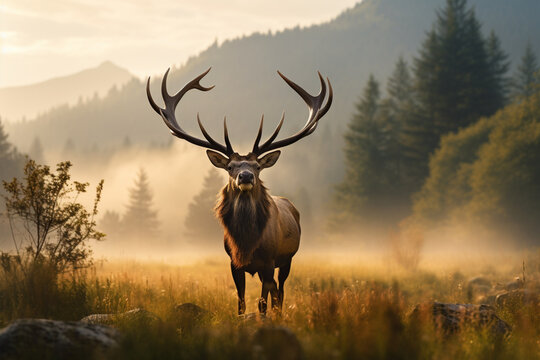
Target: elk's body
x,y
261,232
258,227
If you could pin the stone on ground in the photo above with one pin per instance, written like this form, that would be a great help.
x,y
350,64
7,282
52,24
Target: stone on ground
x,y
276,342
136,316
50,339
188,316
451,318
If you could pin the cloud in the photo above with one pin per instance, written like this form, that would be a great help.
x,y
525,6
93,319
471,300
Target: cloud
x,y
141,35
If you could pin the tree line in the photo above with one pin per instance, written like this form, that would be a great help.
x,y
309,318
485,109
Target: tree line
x,y
394,144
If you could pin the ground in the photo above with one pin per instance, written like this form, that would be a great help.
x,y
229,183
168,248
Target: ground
x,y
338,307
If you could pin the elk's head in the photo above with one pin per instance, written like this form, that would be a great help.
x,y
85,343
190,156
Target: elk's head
x,y
243,169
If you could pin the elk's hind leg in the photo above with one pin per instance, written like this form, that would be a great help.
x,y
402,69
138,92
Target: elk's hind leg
x,y
268,285
239,277
283,275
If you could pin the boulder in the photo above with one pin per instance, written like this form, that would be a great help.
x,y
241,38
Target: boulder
x,y
276,342
137,317
50,339
479,281
517,297
451,317
188,316
515,284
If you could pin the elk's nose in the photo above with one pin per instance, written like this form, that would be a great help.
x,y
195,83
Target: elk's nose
x,y
245,177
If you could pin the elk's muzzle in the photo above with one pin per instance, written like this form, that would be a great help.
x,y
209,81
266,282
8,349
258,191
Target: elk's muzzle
x,y
245,180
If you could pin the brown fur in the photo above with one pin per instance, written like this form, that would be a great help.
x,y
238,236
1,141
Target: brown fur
x,y
244,217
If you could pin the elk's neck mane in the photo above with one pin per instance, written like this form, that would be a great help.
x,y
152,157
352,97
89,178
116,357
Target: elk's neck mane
x,y
244,216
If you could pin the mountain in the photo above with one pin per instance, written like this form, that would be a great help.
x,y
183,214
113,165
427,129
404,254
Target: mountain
x,y
367,38
30,100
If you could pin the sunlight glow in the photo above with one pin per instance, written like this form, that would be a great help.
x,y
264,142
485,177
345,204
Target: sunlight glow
x,y
64,36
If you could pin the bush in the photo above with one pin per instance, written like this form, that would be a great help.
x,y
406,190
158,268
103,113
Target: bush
x,y
50,230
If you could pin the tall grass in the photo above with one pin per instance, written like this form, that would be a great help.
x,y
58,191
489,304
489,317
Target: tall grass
x,y
337,311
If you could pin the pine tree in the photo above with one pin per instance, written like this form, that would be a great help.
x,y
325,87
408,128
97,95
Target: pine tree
x,y
140,219
36,151
364,157
526,79
5,146
111,223
499,65
399,86
69,148
395,110
200,221
456,76
11,161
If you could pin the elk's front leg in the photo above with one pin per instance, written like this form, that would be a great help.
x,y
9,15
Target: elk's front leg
x,y
239,277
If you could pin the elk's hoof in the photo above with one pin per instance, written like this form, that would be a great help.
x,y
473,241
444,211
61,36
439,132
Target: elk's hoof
x,y
241,307
262,306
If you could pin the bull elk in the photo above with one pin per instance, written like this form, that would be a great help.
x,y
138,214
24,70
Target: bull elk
x,y
261,232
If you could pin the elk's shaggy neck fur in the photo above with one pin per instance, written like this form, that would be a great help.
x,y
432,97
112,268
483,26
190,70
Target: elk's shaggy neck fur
x,y
244,216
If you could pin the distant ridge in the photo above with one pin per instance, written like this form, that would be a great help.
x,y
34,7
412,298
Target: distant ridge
x,y
367,38
30,100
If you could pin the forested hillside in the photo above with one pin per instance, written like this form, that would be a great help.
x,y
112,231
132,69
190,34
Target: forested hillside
x,y
365,39
373,38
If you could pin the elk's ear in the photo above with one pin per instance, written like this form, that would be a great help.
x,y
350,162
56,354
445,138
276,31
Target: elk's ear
x,y
217,159
269,160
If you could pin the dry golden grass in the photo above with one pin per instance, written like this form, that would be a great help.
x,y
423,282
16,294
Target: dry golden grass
x,y
340,307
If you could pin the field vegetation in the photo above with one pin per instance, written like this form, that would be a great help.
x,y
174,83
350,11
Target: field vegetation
x,y
339,309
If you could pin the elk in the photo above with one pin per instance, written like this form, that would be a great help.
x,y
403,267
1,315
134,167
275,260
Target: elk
x,y
261,232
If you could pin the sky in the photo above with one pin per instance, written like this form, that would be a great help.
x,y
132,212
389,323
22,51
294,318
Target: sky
x,y
44,39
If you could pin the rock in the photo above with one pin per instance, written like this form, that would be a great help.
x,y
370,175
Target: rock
x,y
488,299
50,339
517,283
100,319
479,293
479,281
451,317
188,316
138,317
276,342
517,297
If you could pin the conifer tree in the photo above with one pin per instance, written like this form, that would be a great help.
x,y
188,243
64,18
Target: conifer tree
x,y
200,221
526,79
36,151
5,146
498,65
457,79
364,156
11,161
140,219
395,110
111,223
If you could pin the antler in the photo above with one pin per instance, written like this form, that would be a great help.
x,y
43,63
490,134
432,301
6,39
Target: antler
x,y
169,117
314,104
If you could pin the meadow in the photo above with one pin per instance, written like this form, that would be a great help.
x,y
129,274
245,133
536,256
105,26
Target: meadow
x,y
339,307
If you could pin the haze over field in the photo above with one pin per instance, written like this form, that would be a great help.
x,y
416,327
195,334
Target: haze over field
x,y
408,223
115,134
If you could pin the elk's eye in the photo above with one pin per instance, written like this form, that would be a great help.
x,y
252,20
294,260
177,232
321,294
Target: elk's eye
x,y
229,167
258,167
